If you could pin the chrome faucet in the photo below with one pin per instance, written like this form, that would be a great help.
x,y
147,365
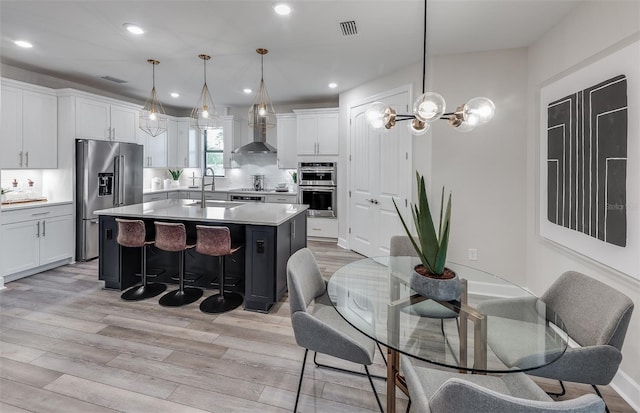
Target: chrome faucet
x,y
213,185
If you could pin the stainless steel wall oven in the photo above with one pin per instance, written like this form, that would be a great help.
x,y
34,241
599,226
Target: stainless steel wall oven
x,y
317,188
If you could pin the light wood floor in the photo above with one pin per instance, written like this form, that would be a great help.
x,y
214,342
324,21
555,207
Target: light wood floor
x,y
67,345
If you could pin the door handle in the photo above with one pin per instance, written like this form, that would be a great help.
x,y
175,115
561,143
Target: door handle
x,y
38,232
44,228
116,192
27,159
114,134
20,156
121,184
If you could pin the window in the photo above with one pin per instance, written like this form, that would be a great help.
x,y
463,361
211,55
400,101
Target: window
x,y
213,150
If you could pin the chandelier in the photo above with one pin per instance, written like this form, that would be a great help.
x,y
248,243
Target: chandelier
x,y
431,106
261,112
204,115
152,118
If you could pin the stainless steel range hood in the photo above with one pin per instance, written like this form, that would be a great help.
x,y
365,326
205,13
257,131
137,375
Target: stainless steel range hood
x,y
259,144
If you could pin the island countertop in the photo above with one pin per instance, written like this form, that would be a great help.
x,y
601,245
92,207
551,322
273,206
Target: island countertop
x,y
250,213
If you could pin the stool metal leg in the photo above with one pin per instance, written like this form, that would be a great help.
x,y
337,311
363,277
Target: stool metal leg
x,y
146,290
220,303
183,295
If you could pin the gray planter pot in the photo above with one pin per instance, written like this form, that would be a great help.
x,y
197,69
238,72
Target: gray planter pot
x,y
436,288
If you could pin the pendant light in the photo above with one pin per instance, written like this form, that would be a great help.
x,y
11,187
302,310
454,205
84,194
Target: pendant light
x,y
204,115
261,112
153,119
431,106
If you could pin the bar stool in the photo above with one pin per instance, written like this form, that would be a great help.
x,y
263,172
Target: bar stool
x,y
132,233
173,237
216,241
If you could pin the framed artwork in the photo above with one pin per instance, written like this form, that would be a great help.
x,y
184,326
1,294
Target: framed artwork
x,y
590,160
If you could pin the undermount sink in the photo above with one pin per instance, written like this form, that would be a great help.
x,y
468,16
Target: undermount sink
x,y
217,204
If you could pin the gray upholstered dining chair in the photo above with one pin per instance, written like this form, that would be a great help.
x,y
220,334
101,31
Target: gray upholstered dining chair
x,y
317,326
596,317
437,391
400,245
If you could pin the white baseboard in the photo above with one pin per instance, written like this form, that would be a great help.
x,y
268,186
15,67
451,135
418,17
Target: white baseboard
x,y
627,388
343,243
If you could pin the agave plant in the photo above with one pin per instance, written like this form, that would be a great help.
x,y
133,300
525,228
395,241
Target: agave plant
x,y
175,174
430,246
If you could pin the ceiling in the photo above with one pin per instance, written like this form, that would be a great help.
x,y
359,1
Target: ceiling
x,y
82,41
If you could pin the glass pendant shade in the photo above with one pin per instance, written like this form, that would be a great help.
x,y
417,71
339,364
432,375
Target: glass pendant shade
x,y
261,113
429,106
152,117
375,114
417,127
479,110
204,115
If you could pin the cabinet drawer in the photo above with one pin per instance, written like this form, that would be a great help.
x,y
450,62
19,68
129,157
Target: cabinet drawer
x,y
282,198
322,227
154,197
9,216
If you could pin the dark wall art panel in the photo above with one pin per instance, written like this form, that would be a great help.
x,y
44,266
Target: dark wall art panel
x,y
587,161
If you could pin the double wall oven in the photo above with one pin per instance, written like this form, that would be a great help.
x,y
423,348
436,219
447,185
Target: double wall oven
x,y
317,188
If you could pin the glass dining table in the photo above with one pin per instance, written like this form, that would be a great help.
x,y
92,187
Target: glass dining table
x,y
509,329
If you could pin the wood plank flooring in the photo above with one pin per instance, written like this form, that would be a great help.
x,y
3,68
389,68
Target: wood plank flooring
x,y
68,345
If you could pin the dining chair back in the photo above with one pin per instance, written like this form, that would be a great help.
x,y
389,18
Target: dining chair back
x,y
437,391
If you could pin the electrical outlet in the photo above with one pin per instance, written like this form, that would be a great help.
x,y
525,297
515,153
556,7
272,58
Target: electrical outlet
x,y
473,254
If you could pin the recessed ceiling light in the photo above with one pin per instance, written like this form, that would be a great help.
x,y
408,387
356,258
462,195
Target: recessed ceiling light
x,y
132,28
23,43
247,90
333,85
282,9
175,94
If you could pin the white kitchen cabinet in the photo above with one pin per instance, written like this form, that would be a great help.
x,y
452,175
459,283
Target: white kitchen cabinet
x,y
158,196
317,131
155,151
282,198
105,120
322,227
34,239
183,144
29,132
231,130
215,196
177,195
286,127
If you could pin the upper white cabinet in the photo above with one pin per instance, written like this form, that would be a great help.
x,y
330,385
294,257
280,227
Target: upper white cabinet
x,y
286,127
104,120
231,130
155,150
29,132
317,131
183,144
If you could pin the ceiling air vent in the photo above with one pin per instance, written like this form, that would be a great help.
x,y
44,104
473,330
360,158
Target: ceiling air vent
x,y
348,28
113,79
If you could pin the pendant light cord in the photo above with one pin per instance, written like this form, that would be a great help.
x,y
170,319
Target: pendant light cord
x,y
424,48
262,67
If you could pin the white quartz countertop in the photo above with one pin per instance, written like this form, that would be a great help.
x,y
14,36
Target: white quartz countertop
x,y
250,213
268,191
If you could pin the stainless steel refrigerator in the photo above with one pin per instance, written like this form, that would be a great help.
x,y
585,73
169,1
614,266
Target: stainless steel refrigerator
x,y
108,174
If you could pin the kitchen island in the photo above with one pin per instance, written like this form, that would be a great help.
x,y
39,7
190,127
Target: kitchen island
x,y
269,232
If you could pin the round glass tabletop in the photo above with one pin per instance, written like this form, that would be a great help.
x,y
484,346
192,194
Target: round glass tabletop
x,y
496,326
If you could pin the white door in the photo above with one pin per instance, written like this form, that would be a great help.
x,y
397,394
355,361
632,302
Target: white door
x,y
380,172
20,246
307,127
93,119
123,124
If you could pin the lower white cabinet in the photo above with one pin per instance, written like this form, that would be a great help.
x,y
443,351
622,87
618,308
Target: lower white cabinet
x,y
33,238
215,196
322,227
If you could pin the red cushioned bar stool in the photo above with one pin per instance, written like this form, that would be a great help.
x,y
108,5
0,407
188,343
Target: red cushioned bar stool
x,y
132,234
173,237
216,241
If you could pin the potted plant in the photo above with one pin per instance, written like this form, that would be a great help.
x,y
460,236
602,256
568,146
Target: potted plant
x,y
431,278
175,174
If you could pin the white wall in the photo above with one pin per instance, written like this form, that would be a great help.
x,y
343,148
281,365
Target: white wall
x,y
593,29
483,169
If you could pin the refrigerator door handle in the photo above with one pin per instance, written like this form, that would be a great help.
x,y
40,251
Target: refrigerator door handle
x,y
121,183
116,192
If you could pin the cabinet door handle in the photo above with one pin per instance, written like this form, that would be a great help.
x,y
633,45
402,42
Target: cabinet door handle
x,y
20,156
40,213
44,228
38,232
27,159
114,134
293,229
